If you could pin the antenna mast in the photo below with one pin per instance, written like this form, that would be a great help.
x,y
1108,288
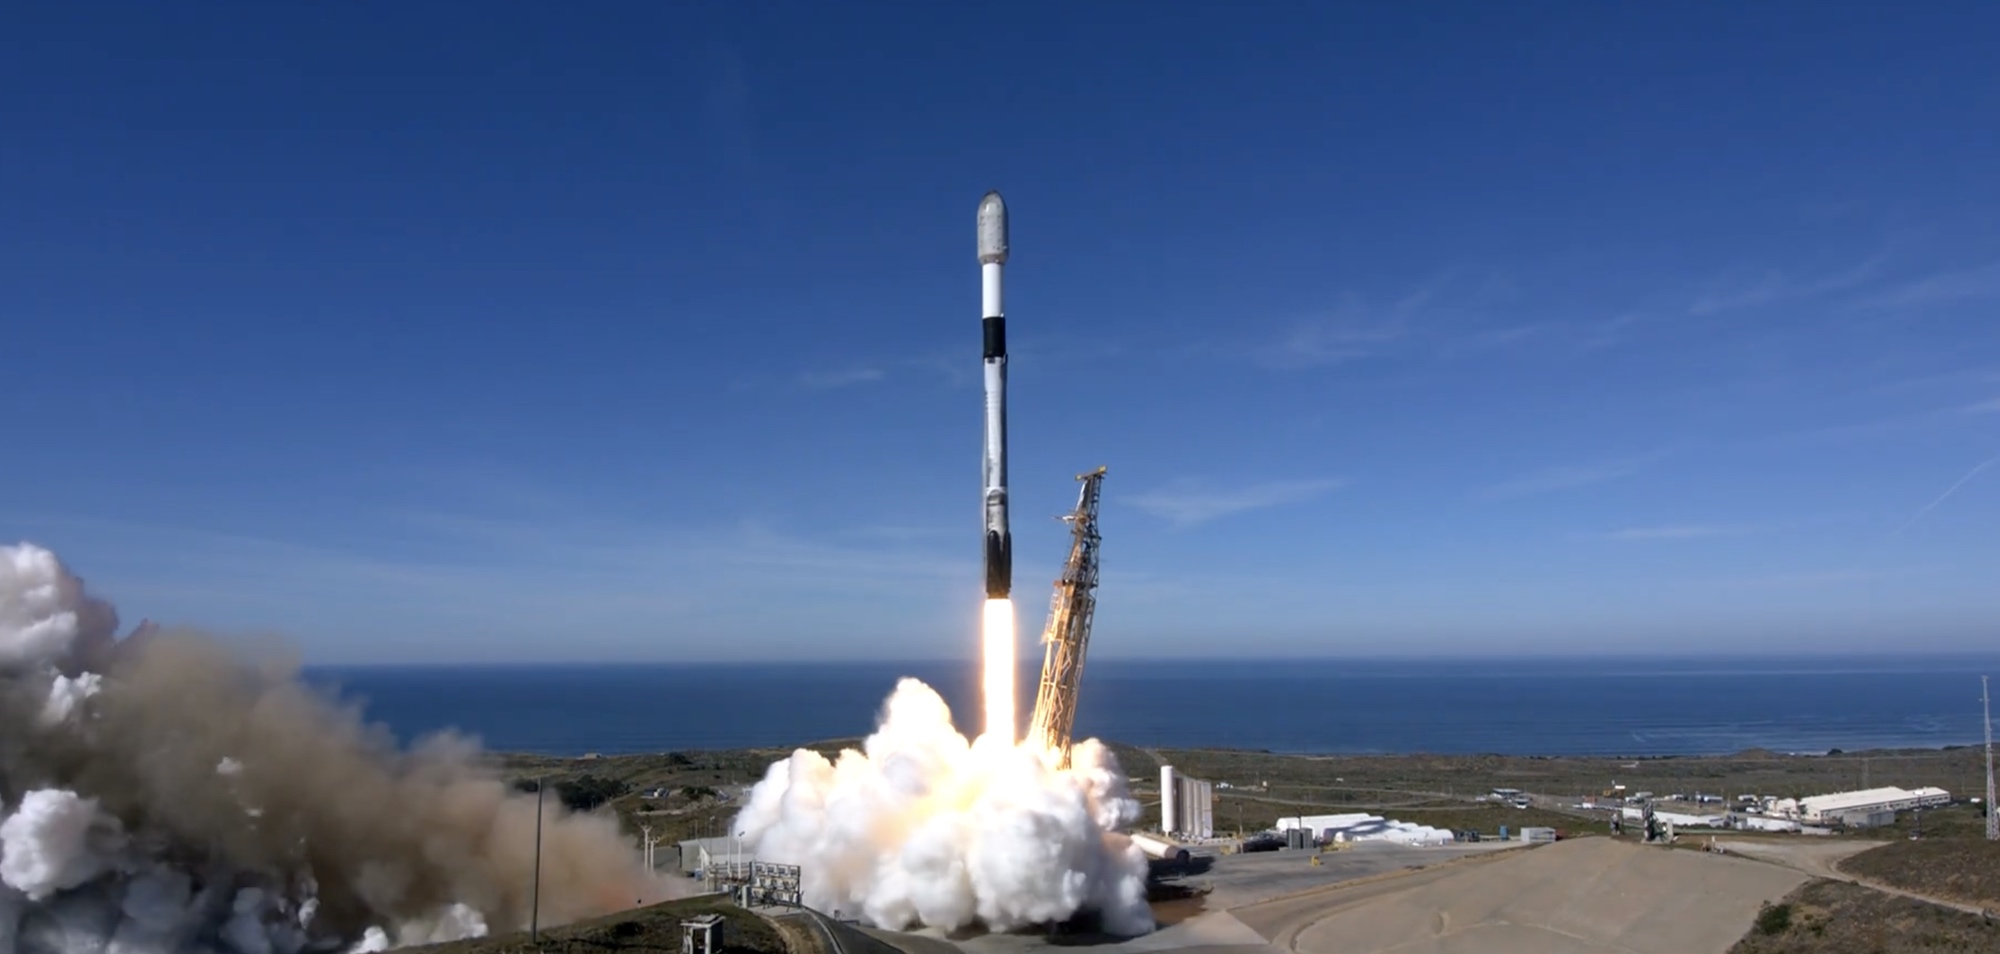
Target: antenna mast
x,y
1068,632
1986,706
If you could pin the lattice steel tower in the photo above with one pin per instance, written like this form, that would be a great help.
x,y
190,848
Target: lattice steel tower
x,y
1068,632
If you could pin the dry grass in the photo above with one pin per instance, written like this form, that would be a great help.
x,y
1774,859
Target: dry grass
x,y
1957,869
1832,917
1407,776
1430,789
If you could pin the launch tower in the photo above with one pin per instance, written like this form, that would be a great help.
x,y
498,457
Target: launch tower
x,y
1068,632
1992,810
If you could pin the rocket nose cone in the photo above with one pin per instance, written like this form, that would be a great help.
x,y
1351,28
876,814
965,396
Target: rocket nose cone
x,y
992,229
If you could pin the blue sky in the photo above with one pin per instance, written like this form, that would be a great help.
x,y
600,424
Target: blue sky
x,y
650,331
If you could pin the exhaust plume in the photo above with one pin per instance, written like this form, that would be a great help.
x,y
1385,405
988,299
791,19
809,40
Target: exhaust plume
x,y
921,827
997,664
162,795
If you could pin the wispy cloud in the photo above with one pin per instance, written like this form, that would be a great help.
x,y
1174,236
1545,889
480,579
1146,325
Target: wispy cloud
x,y
690,554
1186,503
1989,406
1941,498
848,377
861,372
1330,341
1952,416
1774,287
1833,577
1677,532
1350,330
955,368
1966,285
1610,331
1533,334
1568,477
1951,380
1453,315
513,571
905,532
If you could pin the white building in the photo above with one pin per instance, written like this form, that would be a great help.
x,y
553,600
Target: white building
x,y
1361,826
1841,805
699,854
1187,805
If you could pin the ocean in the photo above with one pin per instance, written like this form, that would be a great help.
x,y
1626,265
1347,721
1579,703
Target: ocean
x,y
1515,707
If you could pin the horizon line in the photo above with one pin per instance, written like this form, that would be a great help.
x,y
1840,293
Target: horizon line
x,y
1454,660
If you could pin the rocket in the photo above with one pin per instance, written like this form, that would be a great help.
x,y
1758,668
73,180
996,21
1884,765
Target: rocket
x,y
993,325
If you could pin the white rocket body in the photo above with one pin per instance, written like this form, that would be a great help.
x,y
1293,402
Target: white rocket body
x,y
999,540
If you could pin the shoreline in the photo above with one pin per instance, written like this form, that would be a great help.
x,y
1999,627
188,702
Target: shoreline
x,y
694,793
828,745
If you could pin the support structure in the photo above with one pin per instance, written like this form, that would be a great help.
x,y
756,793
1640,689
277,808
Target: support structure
x,y
646,845
1067,636
1992,810
535,904
1187,805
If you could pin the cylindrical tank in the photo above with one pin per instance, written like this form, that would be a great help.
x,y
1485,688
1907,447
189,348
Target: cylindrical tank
x,y
1160,849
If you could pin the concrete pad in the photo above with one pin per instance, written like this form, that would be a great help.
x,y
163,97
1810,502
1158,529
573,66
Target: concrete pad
x,y
909,942
1584,896
1216,932
1236,880
1211,929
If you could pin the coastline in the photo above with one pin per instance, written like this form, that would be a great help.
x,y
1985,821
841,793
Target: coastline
x,y
694,793
1523,708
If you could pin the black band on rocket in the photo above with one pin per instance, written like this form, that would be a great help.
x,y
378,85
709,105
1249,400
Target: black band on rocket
x,y
996,335
999,565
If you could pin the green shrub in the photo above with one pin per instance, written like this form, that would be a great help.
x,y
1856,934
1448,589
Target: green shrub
x,y
585,792
1774,918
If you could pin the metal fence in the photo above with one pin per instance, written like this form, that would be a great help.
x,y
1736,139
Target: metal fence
x,y
758,882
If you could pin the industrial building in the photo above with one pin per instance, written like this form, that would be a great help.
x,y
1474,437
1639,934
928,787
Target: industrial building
x,y
1187,805
1859,808
699,854
1361,826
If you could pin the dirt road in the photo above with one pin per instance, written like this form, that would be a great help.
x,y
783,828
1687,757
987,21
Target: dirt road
x,y
1821,858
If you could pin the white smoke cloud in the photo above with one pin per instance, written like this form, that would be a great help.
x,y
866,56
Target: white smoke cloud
x,y
45,846
45,618
66,695
921,826
159,796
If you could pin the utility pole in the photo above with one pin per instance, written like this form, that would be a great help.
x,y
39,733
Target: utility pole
x,y
1986,707
535,904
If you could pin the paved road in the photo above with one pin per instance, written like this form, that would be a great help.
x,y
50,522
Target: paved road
x,y
837,938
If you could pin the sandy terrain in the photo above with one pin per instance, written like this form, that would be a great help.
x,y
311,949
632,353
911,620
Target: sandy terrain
x,y
1588,895
1574,897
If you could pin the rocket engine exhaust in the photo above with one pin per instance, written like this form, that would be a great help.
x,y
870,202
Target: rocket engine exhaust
x,y
997,630
997,670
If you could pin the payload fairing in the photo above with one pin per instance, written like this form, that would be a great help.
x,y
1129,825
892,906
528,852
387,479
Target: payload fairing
x,y
992,260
